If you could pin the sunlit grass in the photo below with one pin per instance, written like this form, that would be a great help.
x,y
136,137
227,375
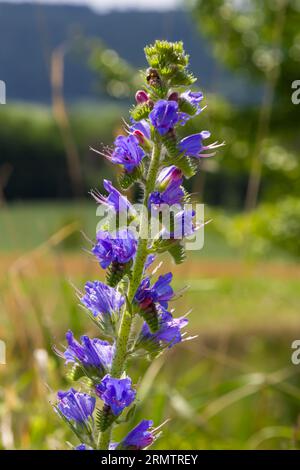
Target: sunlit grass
x,y
231,387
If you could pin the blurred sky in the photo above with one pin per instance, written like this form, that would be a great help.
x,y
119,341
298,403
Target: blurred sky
x,y
106,5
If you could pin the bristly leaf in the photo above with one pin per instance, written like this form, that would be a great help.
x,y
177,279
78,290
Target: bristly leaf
x,y
182,78
186,107
150,315
170,143
75,373
171,62
104,418
186,197
126,180
186,165
116,272
156,93
178,253
140,111
163,53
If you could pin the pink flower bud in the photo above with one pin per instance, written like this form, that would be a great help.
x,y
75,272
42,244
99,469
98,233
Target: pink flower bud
x,y
141,96
146,303
173,96
140,136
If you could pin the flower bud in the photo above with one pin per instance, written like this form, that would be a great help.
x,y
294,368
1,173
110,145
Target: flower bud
x,y
140,136
173,96
143,141
141,96
168,175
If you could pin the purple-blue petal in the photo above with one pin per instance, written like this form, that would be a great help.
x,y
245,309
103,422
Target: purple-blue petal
x,y
76,406
127,152
140,436
101,299
164,116
116,393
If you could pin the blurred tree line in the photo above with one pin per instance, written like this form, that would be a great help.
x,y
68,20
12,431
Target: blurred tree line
x,y
32,151
259,40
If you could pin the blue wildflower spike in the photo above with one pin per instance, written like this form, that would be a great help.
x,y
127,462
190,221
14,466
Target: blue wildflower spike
x,y
151,154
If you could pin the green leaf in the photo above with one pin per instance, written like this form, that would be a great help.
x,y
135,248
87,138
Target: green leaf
x,y
170,61
116,272
178,253
104,418
186,107
170,142
76,373
129,416
126,180
150,315
162,53
187,166
140,111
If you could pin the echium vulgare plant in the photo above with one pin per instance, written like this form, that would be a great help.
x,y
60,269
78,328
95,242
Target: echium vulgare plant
x,y
132,308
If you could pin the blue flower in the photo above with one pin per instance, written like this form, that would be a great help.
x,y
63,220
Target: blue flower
x,y
184,225
119,247
169,330
83,447
149,260
143,127
116,393
193,144
140,437
161,292
173,194
90,353
115,200
101,299
127,152
164,116
170,192
168,175
75,406
194,98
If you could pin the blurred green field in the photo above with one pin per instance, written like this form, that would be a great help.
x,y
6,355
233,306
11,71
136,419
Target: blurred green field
x,y
233,386
24,226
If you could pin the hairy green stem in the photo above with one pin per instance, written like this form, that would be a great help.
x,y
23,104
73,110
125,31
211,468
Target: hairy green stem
x,y
138,268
